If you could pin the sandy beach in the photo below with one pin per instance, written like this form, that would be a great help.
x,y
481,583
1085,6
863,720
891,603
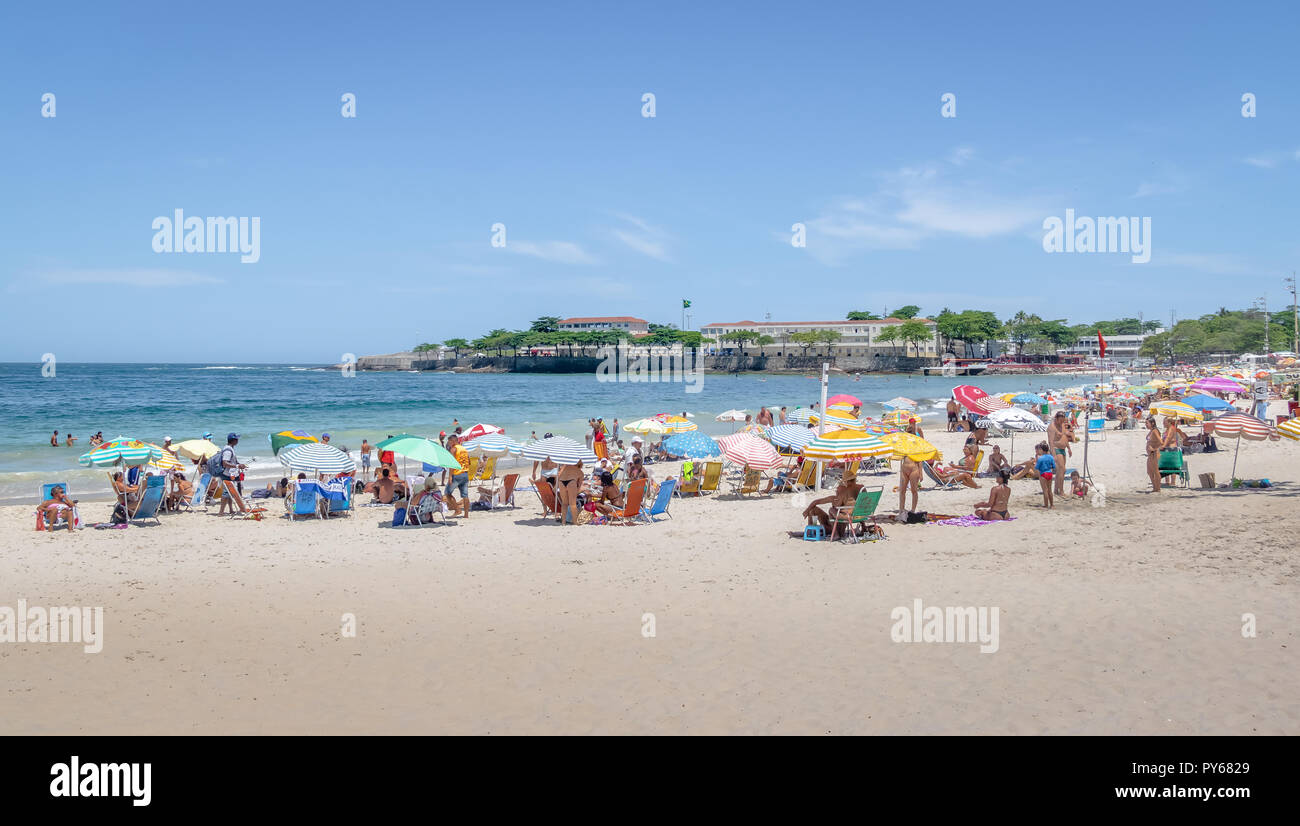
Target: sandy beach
x,y
1116,617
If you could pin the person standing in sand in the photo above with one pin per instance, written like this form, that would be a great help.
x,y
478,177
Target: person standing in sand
x,y
909,477
784,420
1058,439
365,460
952,415
569,485
1047,473
1154,441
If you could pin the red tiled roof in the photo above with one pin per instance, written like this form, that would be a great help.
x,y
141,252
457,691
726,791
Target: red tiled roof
x,y
890,320
604,319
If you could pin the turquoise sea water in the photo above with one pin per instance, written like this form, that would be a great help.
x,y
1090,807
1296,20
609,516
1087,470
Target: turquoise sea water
x,y
151,401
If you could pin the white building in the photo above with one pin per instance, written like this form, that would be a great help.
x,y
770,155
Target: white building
x,y
626,323
856,337
1119,348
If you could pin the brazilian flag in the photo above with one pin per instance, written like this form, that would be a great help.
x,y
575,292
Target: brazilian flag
x,y
685,304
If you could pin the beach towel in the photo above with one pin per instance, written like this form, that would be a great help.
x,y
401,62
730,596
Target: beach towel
x,y
971,521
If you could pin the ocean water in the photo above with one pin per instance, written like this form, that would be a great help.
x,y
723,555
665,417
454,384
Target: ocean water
x,y
151,401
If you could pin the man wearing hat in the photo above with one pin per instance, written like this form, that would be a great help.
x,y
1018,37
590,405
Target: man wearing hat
x,y
167,445
230,467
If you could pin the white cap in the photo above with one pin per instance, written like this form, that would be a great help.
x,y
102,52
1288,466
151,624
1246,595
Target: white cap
x,y
636,439
167,439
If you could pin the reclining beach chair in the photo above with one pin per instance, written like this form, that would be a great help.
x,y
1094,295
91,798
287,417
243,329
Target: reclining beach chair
x,y
228,489
488,470
62,517
301,501
631,504
343,507
422,515
688,486
807,478
939,484
503,495
862,511
199,499
146,507
712,477
748,481
662,501
1173,463
1097,429
549,499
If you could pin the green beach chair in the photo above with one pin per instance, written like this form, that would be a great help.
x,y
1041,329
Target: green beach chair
x,y
1173,463
862,511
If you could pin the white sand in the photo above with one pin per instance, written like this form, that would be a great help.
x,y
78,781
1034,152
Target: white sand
x,y
1125,618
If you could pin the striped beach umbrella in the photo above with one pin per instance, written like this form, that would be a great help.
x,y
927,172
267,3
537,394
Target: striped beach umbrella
x,y
316,457
910,446
756,429
691,446
1175,410
840,419
1215,384
880,429
899,418
844,445
900,403
646,426
1290,429
800,415
559,449
166,460
751,451
481,429
790,436
1240,426
677,424
121,451
492,444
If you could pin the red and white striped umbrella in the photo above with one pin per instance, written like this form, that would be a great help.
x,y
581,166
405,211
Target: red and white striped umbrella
x,y
746,449
481,429
1239,424
976,400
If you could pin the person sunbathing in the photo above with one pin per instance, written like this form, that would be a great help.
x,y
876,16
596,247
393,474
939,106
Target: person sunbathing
x,y
181,491
783,481
57,502
846,493
429,491
995,509
384,487
953,473
121,488
997,461
610,499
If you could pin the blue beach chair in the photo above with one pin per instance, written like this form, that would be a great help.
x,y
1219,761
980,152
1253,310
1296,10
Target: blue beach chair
x,y
201,490
344,507
150,500
62,518
301,501
661,503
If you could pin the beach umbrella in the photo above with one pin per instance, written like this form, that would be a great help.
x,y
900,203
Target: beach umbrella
x,y
677,424
843,407
899,418
844,398
1175,410
284,438
844,445
1158,383
1217,385
800,415
420,449
759,430
840,419
480,429
316,457
492,444
559,449
1241,426
879,428
976,400
165,460
1143,389
200,449
1026,398
731,416
121,452
790,436
1204,403
1290,429
899,403
1016,421
910,446
646,426
751,451
691,446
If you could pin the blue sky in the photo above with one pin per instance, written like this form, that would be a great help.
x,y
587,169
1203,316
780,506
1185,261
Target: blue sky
x,y
375,231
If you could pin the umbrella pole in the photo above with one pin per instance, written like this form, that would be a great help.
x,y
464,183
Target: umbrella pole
x,y
1234,457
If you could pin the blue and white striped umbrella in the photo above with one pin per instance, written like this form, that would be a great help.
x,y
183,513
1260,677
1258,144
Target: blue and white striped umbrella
x,y
801,415
694,445
316,457
790,436
559,449
492,444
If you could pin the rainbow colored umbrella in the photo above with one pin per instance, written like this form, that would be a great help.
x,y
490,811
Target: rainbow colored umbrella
x,y
676,424
290,437
901,418
122,452
1176,410
844,445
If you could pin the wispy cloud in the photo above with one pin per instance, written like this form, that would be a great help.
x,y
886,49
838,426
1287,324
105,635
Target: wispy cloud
x,y
559,252
127,277
1206,262
648,240
1261,161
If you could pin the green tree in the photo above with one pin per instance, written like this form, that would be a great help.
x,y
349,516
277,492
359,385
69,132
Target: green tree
x,y
546,324
804,339
424,348
827,337
862,315
889,335
741,338
1058,333
907,311
456,345
1022,328
914,332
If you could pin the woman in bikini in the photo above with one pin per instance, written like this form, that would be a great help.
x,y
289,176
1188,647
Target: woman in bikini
x,y
995,509
1154,441
909,478
569,485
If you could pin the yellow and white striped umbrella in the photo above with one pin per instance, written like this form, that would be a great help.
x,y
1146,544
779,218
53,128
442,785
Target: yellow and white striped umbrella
x,y
1290,429
1176,410
844,445
678,424
646,426
840,419
166,461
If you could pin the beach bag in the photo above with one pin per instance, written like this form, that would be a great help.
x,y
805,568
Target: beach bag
x,y
119,514
399,517
215,467
913,517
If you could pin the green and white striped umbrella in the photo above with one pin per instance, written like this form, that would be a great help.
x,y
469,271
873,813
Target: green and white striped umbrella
x,y
844,445
316,457
121,451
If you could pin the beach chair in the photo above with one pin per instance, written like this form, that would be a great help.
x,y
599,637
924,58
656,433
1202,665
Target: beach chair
x,y
749,482
199,499
807,477
62,517
979,460
863,510
548,497
146,507
473,468
301,502
1173,463
939,484
344,507
631,504
1097,429
851,469
504,493
691,485
712,477
421,516
662,501
228,489
488,470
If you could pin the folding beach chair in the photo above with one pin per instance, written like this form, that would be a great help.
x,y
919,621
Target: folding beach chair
x,y
228,489
1097,429
1173,463
662,501
422,515
344,507
473,468
301,501
549,499
712,477
62,514
503,495
688,486
488,470
151,500
807,478
631,504
862,511
939,484
199,499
